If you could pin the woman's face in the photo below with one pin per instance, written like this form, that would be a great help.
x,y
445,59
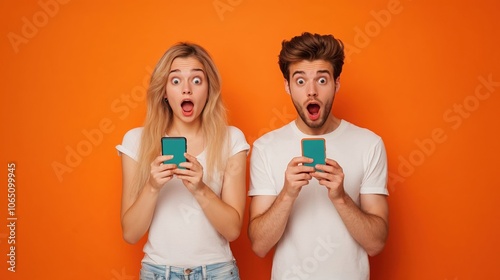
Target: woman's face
x,y
187,88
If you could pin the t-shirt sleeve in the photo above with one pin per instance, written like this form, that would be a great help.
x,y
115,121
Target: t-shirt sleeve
x,y
131,143
238,141
375,179
261,182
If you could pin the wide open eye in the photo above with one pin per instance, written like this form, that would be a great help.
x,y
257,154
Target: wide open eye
x,y
197,80
176,81
322,81
300,81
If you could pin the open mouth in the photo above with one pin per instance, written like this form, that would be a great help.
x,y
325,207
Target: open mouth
x,y
313,110
187,107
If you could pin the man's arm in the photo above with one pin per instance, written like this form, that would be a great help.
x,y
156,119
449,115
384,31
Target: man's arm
x,y
268,219
367,224
269,214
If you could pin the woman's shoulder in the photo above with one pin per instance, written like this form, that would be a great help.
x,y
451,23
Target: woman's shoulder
x,y
236,133
234,130
131,142
238,140
134,132
133,135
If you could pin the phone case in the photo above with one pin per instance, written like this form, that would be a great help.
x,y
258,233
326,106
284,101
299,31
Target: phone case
x,y
314,148
175,146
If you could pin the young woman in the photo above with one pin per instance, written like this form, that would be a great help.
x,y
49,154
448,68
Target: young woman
x,y
193,212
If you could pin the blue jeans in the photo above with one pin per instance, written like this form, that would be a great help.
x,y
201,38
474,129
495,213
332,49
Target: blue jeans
x,y
217,271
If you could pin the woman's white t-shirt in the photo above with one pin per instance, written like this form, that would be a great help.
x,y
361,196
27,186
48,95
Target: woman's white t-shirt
x,y
180,234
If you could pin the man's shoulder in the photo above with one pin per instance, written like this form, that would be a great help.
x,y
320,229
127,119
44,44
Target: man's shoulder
x,y
274,137
353,130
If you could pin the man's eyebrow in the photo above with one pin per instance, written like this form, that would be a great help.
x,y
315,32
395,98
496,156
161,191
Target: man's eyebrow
x,y
323,71
298,72
326,71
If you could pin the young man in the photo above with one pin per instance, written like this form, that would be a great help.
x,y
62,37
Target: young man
x,y
324,220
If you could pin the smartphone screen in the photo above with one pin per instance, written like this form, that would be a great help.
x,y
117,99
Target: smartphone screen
x,y
175,146
314,148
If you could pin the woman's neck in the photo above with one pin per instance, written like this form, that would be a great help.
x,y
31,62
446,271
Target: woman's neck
x,y
188,130
193,134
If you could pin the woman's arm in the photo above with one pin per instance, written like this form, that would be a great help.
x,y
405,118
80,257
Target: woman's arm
x,y
224,213
137,210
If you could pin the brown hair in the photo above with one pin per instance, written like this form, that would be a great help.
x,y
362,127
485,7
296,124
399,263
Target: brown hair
x,y
311,47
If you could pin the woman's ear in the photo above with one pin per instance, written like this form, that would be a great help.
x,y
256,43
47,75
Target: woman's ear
x,y
165,94
165,97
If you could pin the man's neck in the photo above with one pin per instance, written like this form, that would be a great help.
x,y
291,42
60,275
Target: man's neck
x,y
330,125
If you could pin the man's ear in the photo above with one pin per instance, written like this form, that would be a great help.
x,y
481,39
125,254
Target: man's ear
x,y
337,84
287,86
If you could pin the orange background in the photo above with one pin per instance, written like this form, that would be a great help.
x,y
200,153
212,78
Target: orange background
x,y
73,82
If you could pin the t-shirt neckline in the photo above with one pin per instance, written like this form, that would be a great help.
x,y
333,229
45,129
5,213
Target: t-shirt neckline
x,y
343,124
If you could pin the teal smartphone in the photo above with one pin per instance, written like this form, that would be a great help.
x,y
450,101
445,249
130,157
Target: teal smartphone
x,y
175,146
314,148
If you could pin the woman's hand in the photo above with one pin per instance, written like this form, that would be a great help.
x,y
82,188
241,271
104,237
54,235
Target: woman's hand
x,y
161,173
192,176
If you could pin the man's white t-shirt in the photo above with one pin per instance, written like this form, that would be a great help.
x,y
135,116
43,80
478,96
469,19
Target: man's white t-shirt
x,y
316,243
180,234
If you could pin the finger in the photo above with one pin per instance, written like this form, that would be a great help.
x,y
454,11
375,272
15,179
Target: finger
x,y
295,169
325,168
336,168
168,173
192,164
333,163
304,177
322,176
163,167
300,177
327,179
160,159
304,169
185,178
299,160
299,183
190,158
182,172
160,174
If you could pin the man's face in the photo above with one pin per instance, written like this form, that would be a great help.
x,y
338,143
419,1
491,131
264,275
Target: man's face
x,y
313,89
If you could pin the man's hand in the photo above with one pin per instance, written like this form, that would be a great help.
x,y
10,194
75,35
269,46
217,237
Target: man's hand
x,y
332,178
297,175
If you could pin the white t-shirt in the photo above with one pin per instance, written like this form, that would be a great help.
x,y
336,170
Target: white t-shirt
x,y
316,243
180,234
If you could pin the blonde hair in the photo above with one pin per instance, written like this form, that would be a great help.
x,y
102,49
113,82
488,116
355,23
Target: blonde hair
x,y
159,115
